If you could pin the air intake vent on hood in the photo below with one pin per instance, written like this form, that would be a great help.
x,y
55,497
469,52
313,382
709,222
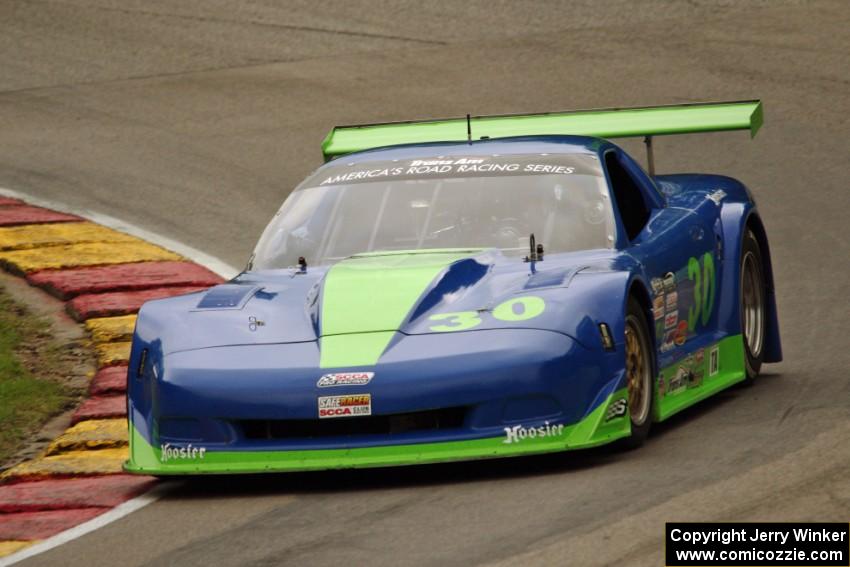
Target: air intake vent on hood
x,y
227,296
552,278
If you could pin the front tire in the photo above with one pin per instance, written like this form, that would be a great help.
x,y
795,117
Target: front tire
x,y
752,305
639,374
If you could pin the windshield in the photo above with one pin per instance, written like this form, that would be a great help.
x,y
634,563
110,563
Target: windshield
x,y
453,202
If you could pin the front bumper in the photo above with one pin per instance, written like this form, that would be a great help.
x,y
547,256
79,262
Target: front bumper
x,y
594,430
525,391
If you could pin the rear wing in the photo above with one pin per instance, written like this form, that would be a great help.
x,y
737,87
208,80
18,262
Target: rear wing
x,y
645,121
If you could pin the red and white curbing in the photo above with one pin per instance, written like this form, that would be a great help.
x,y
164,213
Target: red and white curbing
x,y
104,276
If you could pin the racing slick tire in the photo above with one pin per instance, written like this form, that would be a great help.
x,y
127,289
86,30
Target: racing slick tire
x,y
640,373
752,303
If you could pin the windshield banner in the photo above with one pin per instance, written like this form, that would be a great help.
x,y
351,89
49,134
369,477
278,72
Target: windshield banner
x,y
456,167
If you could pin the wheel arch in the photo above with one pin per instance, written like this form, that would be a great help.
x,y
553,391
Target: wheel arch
x,y
639,290
735,219
773,344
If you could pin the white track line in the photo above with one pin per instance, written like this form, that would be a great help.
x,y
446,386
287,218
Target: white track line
x,y
210,262
116,513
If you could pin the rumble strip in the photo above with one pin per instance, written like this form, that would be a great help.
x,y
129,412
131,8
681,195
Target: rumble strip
x,y
104,276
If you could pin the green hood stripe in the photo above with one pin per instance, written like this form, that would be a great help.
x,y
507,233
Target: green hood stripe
x,y
358,349
366,298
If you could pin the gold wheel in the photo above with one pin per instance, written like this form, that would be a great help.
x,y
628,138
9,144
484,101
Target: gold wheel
x,y
638,371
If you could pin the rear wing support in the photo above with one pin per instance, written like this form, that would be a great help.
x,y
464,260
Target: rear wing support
x,y
650,156
643,122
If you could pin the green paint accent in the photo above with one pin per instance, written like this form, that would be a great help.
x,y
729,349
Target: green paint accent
x,y
602,123
598,431
532,306
141,452
704,289
459,321
695,276
708,288
589,432
357,349
731,370
367,297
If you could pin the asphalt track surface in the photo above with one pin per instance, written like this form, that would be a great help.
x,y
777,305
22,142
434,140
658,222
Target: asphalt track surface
x,y
194,119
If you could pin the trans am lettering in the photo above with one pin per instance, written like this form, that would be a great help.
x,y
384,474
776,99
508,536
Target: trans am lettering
x,y
518,433
169,453
461,161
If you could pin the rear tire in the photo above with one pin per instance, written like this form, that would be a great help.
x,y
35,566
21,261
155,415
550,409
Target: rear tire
x,y
640,372
752,302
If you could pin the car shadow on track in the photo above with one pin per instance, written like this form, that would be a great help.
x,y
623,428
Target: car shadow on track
x,y
348,480
712,405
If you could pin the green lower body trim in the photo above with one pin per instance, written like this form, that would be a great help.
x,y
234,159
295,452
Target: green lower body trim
x,y
591,431
698,377
680,385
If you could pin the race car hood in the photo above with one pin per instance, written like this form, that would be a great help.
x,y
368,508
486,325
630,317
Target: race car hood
x,y
357,306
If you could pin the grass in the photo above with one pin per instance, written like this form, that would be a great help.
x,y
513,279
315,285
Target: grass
x,y
28,357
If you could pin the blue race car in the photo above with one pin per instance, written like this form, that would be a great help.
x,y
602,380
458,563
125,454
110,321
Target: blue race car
x,y
464,289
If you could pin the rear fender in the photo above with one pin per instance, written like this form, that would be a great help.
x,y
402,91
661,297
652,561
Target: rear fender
x,y
735,219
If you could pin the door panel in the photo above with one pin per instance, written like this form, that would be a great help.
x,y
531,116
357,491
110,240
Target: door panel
x,y
678,252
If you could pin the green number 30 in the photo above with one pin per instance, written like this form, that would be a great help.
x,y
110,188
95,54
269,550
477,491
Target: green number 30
x,y
459,321
703,290
529,307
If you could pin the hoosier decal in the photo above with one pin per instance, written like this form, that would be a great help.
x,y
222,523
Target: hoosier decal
x,y
168,452
517,433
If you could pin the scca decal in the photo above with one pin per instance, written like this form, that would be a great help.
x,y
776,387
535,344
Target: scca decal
x,y
345,406
517,309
